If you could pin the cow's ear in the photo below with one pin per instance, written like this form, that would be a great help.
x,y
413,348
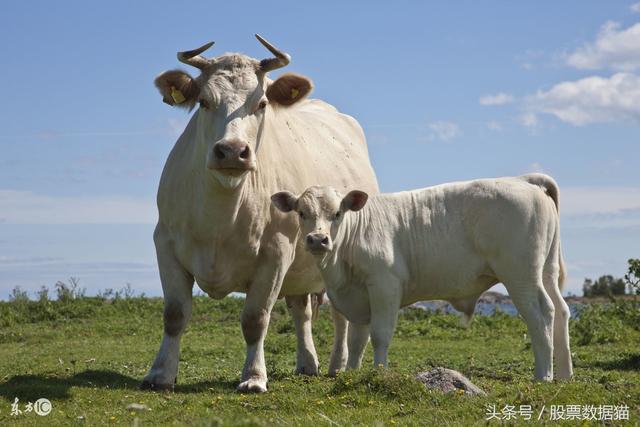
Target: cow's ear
x,y
288,89
284,201
354,201
178,88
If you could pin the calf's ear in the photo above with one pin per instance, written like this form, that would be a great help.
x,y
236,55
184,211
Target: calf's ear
x,y
178,88
284,201
354,201
288,89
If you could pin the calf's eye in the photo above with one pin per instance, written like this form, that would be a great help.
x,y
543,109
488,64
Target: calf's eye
x,y
203,104
301,215
262,105
337,216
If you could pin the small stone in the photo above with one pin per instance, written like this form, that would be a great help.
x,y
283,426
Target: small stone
x,y
137,407
448,380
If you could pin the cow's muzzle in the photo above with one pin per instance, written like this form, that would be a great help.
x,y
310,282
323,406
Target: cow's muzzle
x,y
318,243
232,157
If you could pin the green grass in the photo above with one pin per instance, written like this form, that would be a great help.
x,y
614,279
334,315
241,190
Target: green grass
x,y
88,356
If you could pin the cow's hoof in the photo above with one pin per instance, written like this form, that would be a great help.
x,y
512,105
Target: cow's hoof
x,y
148,385
253,385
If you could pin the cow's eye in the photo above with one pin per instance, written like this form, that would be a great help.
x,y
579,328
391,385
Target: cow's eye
x,y
204,104
262,105
301,215
337,216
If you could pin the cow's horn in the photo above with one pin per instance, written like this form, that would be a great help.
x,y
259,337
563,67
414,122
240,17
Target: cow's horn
x,y
193,58
281,58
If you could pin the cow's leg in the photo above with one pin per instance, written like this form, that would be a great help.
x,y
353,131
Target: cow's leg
x,y
561,351
339,351
384,299
261,296
306,358
537,310
357,341
177,285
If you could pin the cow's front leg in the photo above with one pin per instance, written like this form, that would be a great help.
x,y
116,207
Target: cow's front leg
x,y
301,311
261,297
177,285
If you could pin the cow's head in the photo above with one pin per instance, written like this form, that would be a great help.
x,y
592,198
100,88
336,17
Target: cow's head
x,y
320,212
234,97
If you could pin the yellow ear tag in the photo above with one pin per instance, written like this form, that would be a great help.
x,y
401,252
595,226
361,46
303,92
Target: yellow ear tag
x,y
177,96
294,93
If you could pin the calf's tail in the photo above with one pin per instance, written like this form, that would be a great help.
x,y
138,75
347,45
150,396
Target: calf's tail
x,y
550,187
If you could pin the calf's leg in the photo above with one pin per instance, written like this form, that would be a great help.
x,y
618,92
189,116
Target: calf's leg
x,y
306,358
339,353
384,300
358,337
551,278
537,310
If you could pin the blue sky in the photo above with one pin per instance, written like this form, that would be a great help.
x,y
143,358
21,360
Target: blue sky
x,y
444,90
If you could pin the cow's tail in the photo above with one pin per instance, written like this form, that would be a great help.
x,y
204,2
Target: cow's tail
x,y
316,301
550,187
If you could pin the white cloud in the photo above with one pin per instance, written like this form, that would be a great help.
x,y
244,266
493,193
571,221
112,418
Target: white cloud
x,y
444,131
535,167
635,8
497,99
598,200
26,207
591,100
494,126
529,120
614,48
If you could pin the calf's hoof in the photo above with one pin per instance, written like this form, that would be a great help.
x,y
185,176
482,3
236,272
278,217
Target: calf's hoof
x,y
253,385
149,386
308,370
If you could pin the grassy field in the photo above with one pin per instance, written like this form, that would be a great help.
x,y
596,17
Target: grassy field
x,y
87,356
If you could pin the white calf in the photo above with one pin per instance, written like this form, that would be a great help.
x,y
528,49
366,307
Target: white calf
x,y
450,242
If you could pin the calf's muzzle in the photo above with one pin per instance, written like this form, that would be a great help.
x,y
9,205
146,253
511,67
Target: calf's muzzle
x,y
318,243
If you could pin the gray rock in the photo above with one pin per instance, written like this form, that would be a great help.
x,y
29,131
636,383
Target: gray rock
x,y
448,380
137,407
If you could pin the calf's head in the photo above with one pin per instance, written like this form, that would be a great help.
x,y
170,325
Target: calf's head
x,y
233,97
320,212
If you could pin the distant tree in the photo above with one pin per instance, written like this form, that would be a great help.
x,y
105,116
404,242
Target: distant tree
x,y
604,286
633,276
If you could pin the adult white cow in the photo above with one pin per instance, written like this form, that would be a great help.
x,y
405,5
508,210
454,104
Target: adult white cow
x,y
449,242
249,137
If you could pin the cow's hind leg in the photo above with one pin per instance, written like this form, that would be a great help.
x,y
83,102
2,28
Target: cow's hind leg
x,y
177,286
537,310
561,350
339,352
306,358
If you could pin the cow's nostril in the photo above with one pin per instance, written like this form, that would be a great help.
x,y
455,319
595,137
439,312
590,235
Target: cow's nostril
x,y
218,152
246,153
325,241
309,240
